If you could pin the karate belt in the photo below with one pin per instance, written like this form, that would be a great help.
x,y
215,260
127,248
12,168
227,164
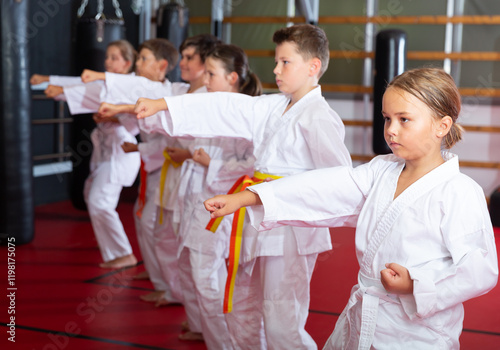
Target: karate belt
x,y
371,291
236,234
141,200
163,178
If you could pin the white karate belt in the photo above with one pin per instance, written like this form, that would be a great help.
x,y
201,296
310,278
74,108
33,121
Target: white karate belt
x,y
371,291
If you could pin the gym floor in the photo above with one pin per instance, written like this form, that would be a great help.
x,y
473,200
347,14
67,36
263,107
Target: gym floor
x,y
64,300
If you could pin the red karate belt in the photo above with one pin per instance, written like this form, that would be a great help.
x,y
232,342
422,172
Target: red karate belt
x,y
141,200
236,234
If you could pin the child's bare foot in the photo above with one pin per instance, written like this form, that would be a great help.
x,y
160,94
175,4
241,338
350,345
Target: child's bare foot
x,y
185,326
153,297
123,261
164,302
191,336
144,275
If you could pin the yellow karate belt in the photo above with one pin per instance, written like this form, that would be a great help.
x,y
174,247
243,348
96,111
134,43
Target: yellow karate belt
x,y
141,199
163,178
236,234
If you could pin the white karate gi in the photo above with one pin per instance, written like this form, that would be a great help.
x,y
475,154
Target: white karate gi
x,y
202,253
151,150
438,228
110,167
165,240
127,89
308,136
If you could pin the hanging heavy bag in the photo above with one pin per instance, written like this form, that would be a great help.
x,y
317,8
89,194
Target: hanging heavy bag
x,y
495,207
390,61
16,182
173,24
92,36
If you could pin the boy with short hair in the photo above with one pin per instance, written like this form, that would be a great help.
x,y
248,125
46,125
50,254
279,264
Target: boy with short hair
x,y
292,132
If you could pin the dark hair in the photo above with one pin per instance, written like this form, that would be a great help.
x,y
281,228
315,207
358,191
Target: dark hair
x,y
234,59
127,51
203,44
437,89
310,40
162,49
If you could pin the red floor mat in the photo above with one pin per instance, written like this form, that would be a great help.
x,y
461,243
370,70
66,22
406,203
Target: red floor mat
x,y
65,301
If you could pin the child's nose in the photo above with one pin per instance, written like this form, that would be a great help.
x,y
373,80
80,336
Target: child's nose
x,y
392,129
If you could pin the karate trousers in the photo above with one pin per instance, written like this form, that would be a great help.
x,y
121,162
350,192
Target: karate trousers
x,y
203,276
145,231
102,198
271,301
166,246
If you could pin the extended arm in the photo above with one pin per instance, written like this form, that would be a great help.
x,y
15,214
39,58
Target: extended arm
x,y
52,91
38,79
108,110
211,114
222,205
91,75
146,107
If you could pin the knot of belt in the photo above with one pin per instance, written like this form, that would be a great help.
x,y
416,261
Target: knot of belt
x,y
236,234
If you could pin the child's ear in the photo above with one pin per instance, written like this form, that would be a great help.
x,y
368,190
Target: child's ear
x,y
129,64
314,66
444,125
163,65
233,78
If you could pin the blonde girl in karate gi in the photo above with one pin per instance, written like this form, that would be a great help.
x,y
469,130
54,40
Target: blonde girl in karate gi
x,y
110,167
424,239
216,164
120,58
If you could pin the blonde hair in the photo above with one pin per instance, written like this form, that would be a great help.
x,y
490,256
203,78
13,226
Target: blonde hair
x,y
127,51
437,89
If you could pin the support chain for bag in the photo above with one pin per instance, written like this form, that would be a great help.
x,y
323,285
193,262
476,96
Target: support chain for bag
x,y
100,9
137,6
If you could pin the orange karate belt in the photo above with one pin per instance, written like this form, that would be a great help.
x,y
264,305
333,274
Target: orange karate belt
x,y
163,177
236,234
141,200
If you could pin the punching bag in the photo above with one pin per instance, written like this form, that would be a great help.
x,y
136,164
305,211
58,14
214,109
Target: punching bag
x,y
390,61
494,207
173,24
16,182
92,36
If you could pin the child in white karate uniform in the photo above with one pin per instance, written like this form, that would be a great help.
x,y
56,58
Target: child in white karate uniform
x,y
164,243
291,133
194,51
156,58
110,167
424,239
216,164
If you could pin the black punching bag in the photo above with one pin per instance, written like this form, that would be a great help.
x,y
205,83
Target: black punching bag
x,y
494,207
173,24
16,182
390,61
92,36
